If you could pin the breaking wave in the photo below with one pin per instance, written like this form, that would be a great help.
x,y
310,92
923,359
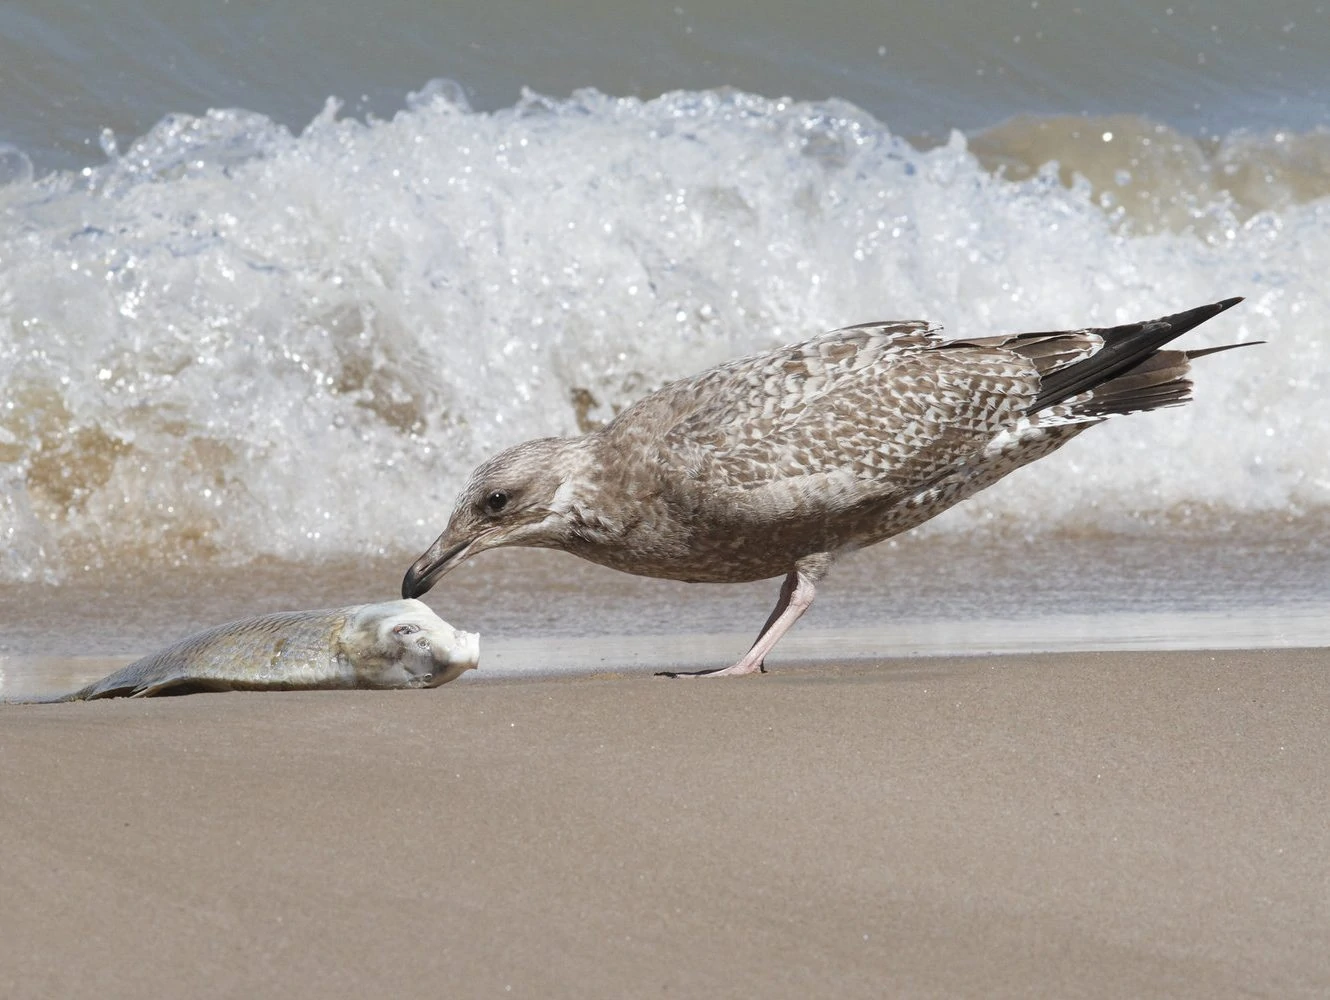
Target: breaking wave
x,y
233,341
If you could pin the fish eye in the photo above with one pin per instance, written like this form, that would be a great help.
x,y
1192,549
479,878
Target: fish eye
x,y
405,629
496,501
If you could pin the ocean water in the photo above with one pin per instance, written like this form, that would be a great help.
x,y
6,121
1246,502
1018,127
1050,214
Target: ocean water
x,y
273,280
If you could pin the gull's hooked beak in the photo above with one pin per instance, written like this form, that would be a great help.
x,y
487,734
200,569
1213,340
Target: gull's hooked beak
x,y
439,558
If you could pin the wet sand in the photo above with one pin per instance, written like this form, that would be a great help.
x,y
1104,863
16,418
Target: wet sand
x,y
1070,825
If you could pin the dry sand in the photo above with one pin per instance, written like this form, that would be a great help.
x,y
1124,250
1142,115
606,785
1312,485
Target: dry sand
x,y
1087,825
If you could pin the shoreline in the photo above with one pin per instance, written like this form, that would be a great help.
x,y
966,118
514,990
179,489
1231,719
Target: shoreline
x,y
542,657
1071,824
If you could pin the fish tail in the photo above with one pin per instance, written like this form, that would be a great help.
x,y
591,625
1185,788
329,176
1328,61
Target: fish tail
x,y
44,699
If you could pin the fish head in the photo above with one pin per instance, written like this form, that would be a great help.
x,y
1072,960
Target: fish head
x,y
401,644
522,496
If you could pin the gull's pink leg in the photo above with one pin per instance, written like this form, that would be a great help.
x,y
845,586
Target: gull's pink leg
x,y
796,595
786,590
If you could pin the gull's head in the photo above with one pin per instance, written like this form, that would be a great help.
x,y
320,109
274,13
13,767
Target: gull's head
x,y
401,644
522,496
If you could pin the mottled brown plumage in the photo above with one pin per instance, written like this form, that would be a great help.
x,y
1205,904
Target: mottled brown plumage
x,y
775,464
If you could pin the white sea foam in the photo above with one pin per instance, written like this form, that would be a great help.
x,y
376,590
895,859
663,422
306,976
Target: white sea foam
x,y
231,341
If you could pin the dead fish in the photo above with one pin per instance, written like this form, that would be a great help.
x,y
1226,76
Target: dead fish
x,y
397,644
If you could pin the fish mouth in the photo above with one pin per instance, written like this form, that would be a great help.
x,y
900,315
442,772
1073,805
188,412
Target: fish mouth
x,y
465,657
438,559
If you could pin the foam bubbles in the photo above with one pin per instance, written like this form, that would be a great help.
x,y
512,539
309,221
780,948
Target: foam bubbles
x,y
232,342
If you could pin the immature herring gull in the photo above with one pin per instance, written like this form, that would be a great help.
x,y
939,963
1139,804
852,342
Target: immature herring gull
x,y
778,463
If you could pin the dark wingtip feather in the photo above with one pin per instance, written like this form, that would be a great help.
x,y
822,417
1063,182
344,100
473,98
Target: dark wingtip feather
x,y
1226,347
1124,348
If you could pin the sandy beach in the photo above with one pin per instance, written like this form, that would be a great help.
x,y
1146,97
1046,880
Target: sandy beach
x,y
276,279
1069,825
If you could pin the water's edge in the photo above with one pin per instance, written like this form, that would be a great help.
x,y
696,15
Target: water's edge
x,y
505,659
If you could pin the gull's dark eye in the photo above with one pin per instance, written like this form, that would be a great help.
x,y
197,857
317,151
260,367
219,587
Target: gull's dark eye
x,y
405,629
496,501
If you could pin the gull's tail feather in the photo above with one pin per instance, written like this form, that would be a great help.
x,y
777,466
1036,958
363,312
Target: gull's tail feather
x,y
1128,348
1158,381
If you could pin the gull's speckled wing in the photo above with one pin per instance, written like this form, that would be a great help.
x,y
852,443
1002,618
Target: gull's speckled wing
x,y
889,404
